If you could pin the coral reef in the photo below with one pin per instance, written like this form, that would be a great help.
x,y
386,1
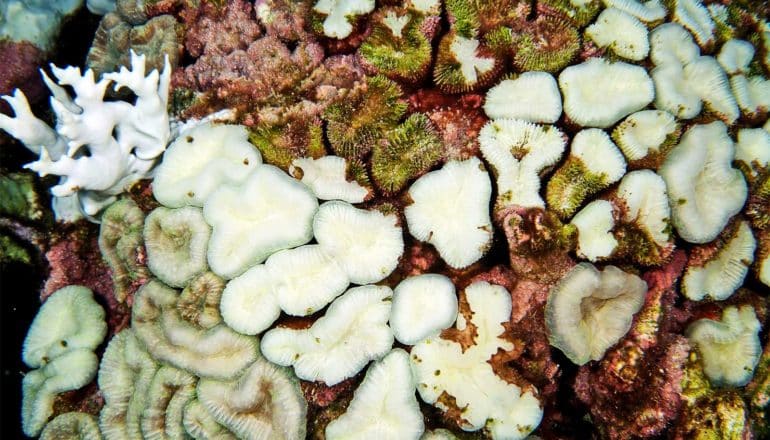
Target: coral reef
x,y
403,219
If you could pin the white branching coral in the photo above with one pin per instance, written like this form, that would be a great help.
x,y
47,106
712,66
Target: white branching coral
x,y
384,406
599,94
730,347
338,12
353,331
99,147
443,367
201,160
704,189
532,96
518,152
264,402
450,210
588,311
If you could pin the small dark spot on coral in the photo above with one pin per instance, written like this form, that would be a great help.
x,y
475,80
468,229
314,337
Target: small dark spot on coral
x,y
63,343
189,139
190,194
437,372
246,161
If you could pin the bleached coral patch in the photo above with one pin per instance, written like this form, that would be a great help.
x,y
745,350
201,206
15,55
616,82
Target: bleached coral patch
x,y
517,152
201,160
532,96
598,93
384,406
442,368
623,33
326,176
730,347
338,345
270,211
450,210
704,190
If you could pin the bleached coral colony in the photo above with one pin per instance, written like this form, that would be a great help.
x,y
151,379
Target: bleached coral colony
x,y
399,220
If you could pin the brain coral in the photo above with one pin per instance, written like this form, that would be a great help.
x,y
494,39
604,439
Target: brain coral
x,y
420,219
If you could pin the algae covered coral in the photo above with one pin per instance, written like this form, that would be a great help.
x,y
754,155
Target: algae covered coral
x,y
394,219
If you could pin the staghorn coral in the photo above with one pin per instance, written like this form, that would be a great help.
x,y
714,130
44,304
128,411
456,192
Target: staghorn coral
x,y
99,147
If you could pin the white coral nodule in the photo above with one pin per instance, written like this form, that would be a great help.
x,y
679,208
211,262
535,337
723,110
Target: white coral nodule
x,y
99,147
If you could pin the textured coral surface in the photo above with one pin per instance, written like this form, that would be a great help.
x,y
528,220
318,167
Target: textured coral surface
x,y
233,308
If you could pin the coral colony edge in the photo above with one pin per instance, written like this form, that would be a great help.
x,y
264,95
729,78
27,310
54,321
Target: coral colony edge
x,y
417,219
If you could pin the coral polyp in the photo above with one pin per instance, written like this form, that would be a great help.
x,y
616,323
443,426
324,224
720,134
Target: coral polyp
x,y
388,219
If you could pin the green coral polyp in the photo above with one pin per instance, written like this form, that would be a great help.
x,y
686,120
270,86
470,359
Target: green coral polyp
x,y
571,185
548,44
281,144
354,127
580,15
411,149
403,55
464,65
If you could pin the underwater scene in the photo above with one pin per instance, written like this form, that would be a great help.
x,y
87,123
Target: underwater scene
x,y
385,220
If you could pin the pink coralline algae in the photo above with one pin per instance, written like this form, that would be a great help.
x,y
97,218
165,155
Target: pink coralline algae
x,y
635,391
20,63
74,259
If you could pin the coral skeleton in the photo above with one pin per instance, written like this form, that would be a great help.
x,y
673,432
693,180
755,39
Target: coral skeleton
x,y
99,147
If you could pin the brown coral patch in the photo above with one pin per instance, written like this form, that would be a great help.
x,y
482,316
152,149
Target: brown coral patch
x,y
21,61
